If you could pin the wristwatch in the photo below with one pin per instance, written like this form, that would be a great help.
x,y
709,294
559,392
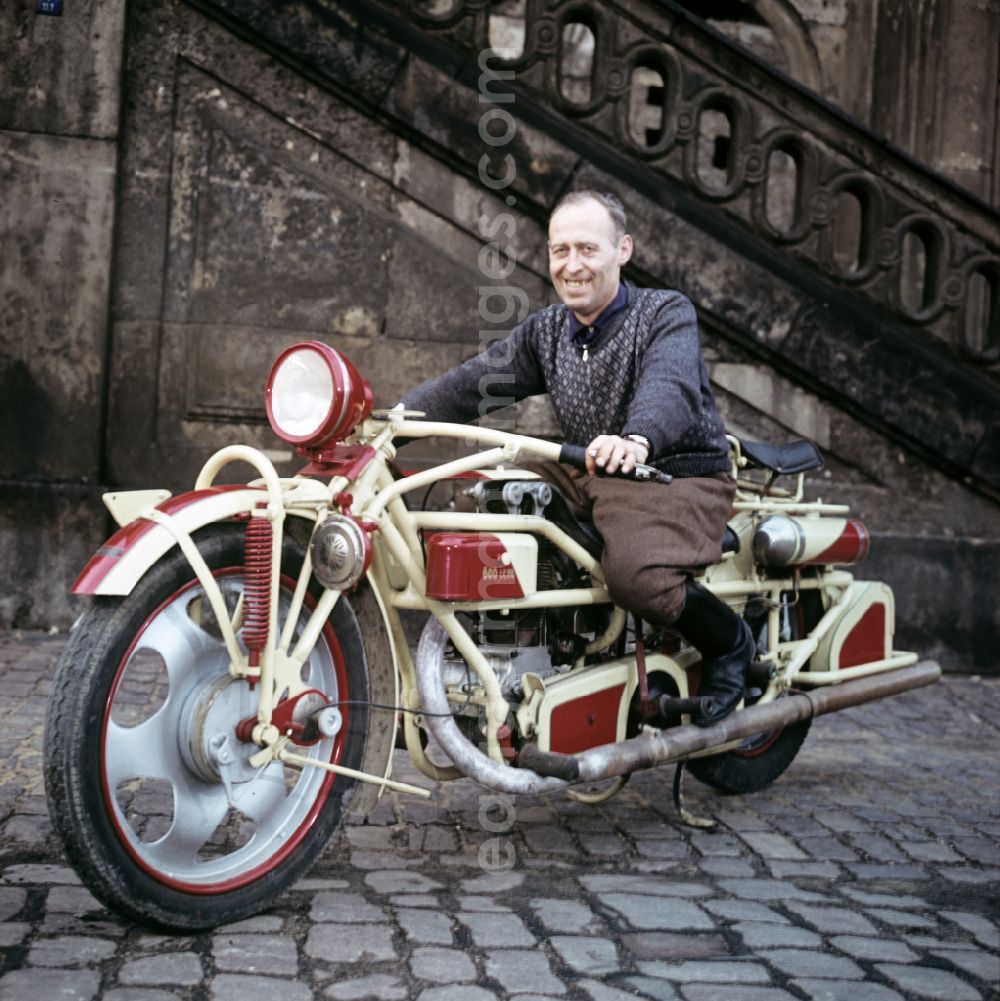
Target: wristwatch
x,y
641,439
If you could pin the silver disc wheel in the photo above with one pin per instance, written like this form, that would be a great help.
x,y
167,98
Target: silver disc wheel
x,y
148,769
183,796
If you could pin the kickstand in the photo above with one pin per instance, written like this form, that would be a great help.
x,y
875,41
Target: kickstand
x,y
686,816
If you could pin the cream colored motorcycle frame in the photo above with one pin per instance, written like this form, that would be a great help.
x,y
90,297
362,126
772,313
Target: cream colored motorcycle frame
x,y
398,579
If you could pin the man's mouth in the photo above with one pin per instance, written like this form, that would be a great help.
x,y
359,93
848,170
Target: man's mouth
x,y
577,283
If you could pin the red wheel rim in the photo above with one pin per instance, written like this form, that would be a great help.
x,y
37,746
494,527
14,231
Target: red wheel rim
x,y
123,831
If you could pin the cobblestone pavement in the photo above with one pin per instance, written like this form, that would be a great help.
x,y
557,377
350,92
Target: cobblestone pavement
x,y
869,872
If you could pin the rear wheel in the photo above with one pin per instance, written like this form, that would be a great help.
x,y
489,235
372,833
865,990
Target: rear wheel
x,y
150,787
761,759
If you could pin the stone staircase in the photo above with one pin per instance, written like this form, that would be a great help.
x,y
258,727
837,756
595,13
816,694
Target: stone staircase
x,y
802,237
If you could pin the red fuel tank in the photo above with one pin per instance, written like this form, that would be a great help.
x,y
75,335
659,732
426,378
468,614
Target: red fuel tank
x,y
470,566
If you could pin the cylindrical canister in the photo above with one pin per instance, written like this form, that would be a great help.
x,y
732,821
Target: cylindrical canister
x,y
783,541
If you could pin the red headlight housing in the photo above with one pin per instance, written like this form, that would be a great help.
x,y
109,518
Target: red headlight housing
x,y
315,397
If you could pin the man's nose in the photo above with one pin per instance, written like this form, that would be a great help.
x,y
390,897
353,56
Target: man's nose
x,y
574,261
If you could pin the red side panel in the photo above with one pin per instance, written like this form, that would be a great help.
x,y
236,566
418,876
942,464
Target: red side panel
x,y
100,564
851,547
586,722
866,641
466,566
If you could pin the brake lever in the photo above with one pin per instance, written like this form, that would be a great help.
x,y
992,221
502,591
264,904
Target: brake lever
x,y
640,471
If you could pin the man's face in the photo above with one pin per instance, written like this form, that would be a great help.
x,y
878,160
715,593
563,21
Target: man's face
x,y
586,258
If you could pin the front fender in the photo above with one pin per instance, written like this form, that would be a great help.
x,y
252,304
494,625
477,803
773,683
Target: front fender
x,y
118,565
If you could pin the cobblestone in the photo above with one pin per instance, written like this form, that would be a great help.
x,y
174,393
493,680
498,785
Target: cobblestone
x,y
518,971
885,949
70,950
497,930
152,994
833,920
239,987
565,916
586,955
658,990
719,992
443,966
274,954
764,935
860,876
811,963
656,913
927,982
982,930
348,907
983,965
425,928
674,945
773,846
729,972
182,968
66,985
845,990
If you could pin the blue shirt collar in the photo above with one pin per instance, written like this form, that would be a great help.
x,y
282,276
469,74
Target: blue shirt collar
x,y
582,334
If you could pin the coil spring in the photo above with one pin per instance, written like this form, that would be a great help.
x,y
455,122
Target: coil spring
x,y
256,586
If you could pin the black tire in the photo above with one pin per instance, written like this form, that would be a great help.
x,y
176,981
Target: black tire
x,y
130,807
760,760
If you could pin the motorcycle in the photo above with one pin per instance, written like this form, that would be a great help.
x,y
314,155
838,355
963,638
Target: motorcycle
x,y
242,674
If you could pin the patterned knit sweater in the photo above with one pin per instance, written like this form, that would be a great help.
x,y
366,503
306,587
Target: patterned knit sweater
x,y
644,374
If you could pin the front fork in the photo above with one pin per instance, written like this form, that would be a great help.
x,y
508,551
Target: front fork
x,y
271,663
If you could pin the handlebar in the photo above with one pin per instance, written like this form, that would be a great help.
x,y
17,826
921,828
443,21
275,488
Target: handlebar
x,y
573,455
576,455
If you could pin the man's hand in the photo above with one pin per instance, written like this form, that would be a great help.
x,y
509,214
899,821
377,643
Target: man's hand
x,y
608,453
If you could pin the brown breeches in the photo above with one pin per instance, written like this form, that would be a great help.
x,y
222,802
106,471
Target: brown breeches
x,y
656,536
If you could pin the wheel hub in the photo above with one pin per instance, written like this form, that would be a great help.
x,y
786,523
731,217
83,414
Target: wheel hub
x,y
207,735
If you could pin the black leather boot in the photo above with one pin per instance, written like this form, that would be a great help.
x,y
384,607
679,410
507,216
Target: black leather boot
x,y
727,649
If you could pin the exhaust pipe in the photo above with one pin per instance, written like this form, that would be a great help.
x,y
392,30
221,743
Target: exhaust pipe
x,y
466,757
537,770
650,749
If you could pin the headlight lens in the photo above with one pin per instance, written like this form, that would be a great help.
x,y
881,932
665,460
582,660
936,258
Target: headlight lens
x,y
315,396
301,394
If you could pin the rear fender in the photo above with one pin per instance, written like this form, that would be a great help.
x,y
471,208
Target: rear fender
x,y
864,632
119,564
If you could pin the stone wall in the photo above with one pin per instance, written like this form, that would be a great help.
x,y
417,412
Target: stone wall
x,y
59,109
267,180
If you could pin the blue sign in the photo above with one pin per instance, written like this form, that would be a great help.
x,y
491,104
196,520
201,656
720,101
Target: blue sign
x,y
52,7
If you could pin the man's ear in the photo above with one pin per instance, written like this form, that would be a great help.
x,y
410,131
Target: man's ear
x,y
625,250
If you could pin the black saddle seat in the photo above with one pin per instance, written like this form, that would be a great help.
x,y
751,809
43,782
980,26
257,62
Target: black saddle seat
x,y
793,457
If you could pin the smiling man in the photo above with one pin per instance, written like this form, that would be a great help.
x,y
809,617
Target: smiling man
x,y
625,374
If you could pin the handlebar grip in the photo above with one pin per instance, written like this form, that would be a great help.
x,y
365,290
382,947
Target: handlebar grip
x,y
574,455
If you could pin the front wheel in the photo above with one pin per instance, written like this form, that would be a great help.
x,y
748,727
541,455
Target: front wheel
x,y
760,760
143,700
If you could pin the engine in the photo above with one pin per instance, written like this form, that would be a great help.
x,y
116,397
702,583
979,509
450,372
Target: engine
x,y
484,566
